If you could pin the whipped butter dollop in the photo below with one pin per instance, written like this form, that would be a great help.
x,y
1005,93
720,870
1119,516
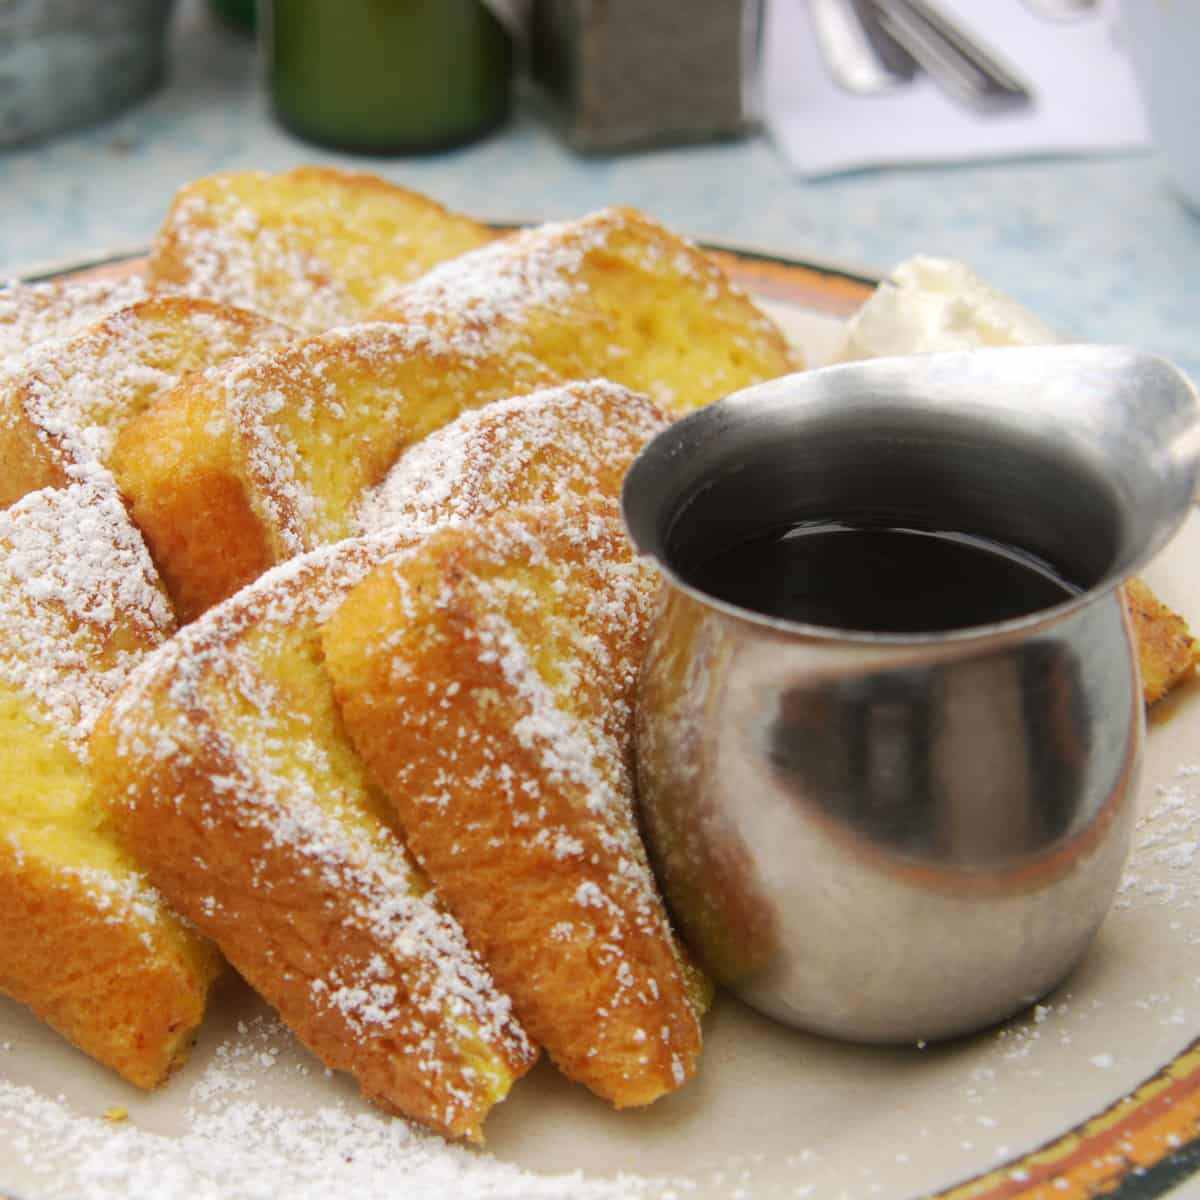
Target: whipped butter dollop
x,y
930,304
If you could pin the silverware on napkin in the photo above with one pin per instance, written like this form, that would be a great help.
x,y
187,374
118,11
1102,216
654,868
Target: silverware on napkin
x,y
964,68
873,45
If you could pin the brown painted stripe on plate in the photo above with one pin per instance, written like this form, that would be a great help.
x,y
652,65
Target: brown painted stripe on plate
x,y
1141,1130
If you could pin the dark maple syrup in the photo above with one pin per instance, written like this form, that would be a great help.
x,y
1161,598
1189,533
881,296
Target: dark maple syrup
x,y
881,579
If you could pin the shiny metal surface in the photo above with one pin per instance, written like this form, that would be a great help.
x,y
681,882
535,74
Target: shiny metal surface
x,y
861,58
890,837
966,69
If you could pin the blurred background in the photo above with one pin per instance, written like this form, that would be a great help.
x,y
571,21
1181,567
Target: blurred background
x,y
748,124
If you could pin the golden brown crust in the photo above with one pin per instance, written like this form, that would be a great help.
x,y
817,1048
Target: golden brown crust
x,y
61,411
1167,653
612,294
313,247
26,462
177,469
487,678
551,446
224,765
128,992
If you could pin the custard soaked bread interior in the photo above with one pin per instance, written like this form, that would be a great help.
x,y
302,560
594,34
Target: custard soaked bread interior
x,y
313,247
487,678
63,407
226,768
277,450
85,941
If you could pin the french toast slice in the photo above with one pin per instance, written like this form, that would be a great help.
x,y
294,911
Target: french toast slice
x,y
224,764
613,294
548,447
33,313
85,941
312,247
487,677
1167,653
243,467
64,407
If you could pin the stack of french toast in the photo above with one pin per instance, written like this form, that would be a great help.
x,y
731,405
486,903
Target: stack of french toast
x,y
321,633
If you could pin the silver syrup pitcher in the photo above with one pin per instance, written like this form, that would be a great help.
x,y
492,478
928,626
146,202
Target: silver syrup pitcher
x,y
889,837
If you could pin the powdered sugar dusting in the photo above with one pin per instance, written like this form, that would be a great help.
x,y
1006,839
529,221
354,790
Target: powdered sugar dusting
x,y
613,294
235,1143
79,602
38,312
490,293
483,298
558,603
79,607
224,261
549,446
1166,844
210,698
77,395
126,895
311,247
266,396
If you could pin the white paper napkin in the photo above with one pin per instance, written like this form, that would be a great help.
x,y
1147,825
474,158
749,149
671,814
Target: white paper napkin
x,y
1085,98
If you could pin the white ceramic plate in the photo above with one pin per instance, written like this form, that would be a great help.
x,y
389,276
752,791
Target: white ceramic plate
x,y
773,1113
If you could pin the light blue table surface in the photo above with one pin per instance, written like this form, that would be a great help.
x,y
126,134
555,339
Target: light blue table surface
x,y
1099,247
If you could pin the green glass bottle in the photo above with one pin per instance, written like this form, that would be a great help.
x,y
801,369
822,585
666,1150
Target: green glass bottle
x,y
387,76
